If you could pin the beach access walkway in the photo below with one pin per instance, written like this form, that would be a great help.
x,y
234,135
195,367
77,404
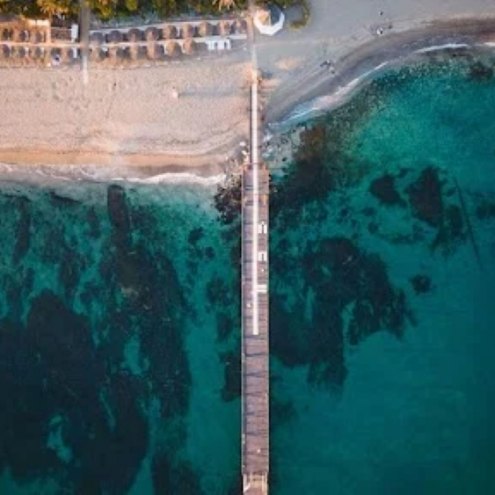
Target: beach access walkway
x,y
255,316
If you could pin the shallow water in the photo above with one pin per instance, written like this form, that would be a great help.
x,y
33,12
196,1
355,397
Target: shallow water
x,y
118,322
382,269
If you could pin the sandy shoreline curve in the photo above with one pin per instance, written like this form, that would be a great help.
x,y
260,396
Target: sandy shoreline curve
x,y
322,90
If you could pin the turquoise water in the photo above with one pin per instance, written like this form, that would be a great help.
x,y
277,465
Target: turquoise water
x,y
382,291
119,312
119,340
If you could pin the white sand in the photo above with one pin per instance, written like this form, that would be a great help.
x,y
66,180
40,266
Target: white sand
x,y
127,116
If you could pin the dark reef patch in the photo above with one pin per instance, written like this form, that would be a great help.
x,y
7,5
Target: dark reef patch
x,y
421,284
232,374
480,72
485,210
425,197
341,283
173,477
23,228
228,200
383,188
52,367
67,375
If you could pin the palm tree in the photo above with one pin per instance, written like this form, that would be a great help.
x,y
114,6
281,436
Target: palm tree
x,y
225,4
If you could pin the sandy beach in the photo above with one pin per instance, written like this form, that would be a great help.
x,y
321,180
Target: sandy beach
x,y
126,118
130,118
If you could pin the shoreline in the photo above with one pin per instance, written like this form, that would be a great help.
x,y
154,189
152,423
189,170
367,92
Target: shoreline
x,y
318,91
363,62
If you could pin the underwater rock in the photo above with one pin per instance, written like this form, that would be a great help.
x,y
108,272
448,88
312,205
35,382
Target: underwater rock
x,y
383,188
485,210
118,213
421,284
195,235
94,223
425,197
347,284
231,374
228,200
218,293
173,478
225,325
23,228
480,72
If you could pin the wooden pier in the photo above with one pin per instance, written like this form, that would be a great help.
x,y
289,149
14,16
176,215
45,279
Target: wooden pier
x,y
255,351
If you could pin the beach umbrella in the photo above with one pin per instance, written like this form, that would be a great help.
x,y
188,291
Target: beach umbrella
x,y
240,26
98,54
6,34
205,29
134,35
138,52
173,49
169,32
97,38
189,46
123,53
152,34
38,53
115,37
5,51
37,36
156,51
187,31
70,55
21,35
224,28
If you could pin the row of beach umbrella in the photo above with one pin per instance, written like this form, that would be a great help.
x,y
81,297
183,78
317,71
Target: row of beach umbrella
x,y
169,32
57,55
151,51
23,53
22,35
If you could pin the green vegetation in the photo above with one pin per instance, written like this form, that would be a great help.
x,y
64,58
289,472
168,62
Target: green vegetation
x,y
106,9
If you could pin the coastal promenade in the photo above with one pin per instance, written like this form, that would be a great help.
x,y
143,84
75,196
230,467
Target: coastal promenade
x,y
255,316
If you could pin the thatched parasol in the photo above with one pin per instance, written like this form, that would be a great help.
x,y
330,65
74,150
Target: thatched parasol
x,y
205,29
123,53
37,36
240,26
5,51
189,46
115,36
173,49
70,55
156,51
138,52
169,32
187,31
97,38
38,53
6,34
134,35
98,54
21,35
152,34
224,28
